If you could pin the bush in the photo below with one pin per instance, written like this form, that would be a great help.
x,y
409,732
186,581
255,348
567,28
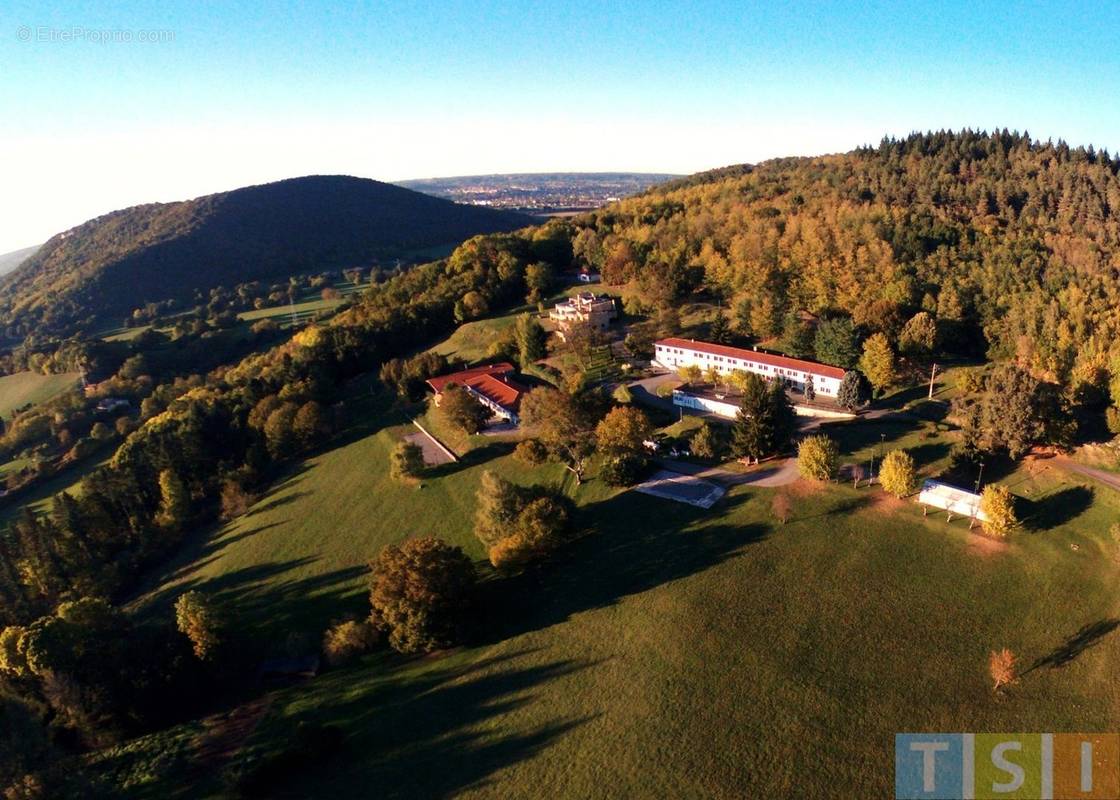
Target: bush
x,y
406,461
235,499
998,504
624,470
531,452
897,475
345,641
817,458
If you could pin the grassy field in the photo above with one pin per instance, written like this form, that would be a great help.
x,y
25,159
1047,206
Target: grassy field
x,y
669,652
22,388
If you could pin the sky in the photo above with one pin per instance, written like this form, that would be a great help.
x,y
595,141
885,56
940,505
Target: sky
x,y
108,105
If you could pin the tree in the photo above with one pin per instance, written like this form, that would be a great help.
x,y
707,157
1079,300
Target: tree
x,y
175,501
720,331
235,499
1001,667
101,432
538,280
471,306
797,336
817,458
998,505
810,389
420,591
705,443
406,462
782,418
310,424
859,472
690,374
498,503
563,424
780,507
530,339
877,362
1010,415
279,431
898,475
837,343
622,431
462,410
752,435
919,335
712,375
201,620
346,640
853,392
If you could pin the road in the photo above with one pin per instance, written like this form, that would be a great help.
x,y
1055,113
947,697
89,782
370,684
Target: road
x,y
1110,479
776,473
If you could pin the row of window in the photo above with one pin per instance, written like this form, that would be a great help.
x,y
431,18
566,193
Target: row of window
x,y
736,363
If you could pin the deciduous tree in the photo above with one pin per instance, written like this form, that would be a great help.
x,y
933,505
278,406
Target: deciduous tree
x,y
877,362
898,475
406,462
817,458
462,410
998,505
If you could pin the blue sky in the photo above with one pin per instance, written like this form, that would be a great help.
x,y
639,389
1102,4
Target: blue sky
x,y
237,95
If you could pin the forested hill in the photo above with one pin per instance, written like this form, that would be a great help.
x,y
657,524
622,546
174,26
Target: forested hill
x,y
1012,245
108,266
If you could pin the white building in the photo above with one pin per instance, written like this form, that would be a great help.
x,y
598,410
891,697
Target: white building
x,y
586,308
677,353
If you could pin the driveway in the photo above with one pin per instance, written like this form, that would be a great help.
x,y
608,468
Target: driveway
x,y
1110,479
774,473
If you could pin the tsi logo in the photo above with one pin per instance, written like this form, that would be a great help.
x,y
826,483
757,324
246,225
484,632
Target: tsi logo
x,y
981,766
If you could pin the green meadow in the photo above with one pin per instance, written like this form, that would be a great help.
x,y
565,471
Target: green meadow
x,y
667,651
22,388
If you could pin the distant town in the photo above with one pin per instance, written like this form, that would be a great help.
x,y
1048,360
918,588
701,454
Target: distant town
x,y
544,193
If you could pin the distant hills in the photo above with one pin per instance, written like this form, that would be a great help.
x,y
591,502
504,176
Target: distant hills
x,y
106,267
9,261
541,192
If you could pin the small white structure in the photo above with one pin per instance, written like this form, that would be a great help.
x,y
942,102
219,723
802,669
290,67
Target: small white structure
x,y
953,499
675,353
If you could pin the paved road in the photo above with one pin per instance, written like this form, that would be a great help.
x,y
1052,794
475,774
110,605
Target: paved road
x,y
773,473
1110,479
434,455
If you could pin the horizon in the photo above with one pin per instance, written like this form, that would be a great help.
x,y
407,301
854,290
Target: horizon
x,y
166,104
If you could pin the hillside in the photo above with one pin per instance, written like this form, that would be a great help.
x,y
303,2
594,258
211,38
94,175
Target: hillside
x,y
1010,243
108,266
9,261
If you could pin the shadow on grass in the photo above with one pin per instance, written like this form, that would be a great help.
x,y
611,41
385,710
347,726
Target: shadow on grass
x,y
1055,509
432,735
929,453
472,458
633,543
1089,636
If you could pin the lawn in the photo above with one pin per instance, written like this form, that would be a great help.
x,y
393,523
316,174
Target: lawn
x,y
672,652
22,388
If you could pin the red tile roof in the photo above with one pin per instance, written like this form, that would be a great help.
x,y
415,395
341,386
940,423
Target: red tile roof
x,y
463,376
490,381
785,362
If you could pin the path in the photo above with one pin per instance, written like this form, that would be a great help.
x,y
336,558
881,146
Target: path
x,y
1110,479
776,473
435,453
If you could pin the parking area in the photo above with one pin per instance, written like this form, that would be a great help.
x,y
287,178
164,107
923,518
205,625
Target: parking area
x,y
434,452
682,489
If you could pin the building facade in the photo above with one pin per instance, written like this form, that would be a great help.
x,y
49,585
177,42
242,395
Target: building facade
x,y
586,308
796,372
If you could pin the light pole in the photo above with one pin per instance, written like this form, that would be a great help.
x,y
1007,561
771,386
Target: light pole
x,y
979,476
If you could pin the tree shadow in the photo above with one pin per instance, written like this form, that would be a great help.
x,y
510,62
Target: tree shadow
x,y
472,458
1088,636
1055,509
928,453
276,503
431,735
649,543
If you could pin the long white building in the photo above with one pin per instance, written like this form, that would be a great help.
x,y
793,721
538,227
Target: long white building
x,y
676,353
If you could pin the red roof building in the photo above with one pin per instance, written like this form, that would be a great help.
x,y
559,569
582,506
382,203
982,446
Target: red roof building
x,y
490,384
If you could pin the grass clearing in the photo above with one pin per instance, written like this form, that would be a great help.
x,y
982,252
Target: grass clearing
x,y
672,652
21,388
